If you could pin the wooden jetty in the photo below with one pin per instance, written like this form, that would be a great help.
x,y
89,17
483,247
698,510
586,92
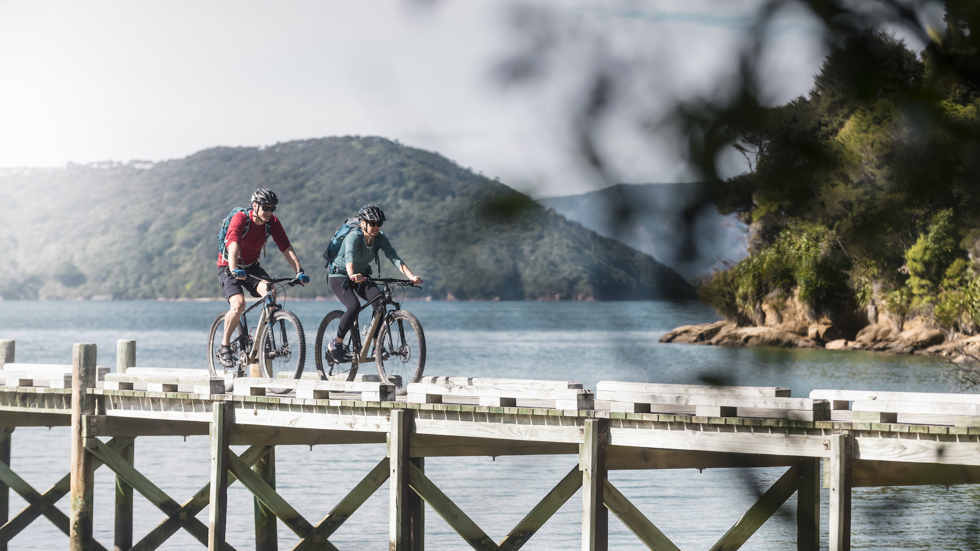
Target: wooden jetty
x,y
861,439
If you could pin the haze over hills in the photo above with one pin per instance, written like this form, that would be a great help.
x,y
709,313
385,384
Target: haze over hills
x,y
651,218
143,230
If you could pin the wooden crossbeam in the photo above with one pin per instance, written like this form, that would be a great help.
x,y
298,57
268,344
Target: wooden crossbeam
x,y
449,511
194,505
630,516
759,513
272,500
543,511
42,504
347,506
149,490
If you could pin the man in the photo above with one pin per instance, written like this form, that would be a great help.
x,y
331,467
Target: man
x,y
246,235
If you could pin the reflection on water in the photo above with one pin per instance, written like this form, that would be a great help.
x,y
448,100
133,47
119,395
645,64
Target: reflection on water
x,y
584,342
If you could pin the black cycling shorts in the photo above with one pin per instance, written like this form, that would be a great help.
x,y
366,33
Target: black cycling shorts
x,y
231,286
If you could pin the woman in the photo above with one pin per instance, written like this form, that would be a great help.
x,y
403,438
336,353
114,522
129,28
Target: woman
x,y
353,262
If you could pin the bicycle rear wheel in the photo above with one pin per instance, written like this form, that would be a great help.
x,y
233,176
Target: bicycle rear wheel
x,y
325,363
400,349
282,347
239,346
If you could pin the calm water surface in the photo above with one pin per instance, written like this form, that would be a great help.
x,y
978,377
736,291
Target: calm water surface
x,y
584,342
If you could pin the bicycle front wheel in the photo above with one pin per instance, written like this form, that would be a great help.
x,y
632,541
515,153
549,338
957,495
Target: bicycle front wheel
x,y
239,347
326,365
400,349
282,346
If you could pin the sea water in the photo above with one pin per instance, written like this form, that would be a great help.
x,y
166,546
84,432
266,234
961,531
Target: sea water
x,y
576,341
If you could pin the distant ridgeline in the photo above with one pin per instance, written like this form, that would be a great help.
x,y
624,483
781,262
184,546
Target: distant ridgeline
x,y
141,230
676,223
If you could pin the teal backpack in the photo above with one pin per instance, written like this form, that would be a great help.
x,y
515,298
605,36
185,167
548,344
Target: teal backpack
x,y
223,249
337,241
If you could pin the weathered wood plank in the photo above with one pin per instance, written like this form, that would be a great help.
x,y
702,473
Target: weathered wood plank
x,y
595,516
622,458
637,522
220,428
449,511
892,473
873,395
82,475
347,506
760,512
659,388
798,445
7,348
427,445
544,510
909,450
36,501
841,459
516,384
272,500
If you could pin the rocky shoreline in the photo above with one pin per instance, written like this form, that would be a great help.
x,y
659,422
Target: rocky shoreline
x,y
915,337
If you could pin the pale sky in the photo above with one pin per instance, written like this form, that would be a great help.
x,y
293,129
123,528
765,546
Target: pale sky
x,y
118,80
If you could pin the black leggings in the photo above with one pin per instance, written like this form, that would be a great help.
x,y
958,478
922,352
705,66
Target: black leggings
x,y
349,298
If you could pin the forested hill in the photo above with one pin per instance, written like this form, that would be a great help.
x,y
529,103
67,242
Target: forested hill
x,y
674,223
142,230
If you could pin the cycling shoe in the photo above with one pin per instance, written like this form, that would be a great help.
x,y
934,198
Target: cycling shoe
x,y
225,357
337,353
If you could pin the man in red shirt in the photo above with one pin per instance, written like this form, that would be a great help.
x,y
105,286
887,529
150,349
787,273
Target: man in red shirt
x,y
246,235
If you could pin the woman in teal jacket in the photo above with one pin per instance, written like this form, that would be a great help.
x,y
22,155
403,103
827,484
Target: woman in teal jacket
x,y
353,262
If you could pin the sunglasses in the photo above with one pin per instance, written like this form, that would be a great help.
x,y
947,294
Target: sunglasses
x,y
268,208
373,224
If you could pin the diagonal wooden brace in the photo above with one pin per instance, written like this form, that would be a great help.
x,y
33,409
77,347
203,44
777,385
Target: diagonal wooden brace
x,y
347,506
449,511
272,500
640,525
193,506
759,513
543,511
42,504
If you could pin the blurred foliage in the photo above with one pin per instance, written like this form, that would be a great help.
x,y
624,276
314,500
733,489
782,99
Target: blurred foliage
x,y
879,164
140,233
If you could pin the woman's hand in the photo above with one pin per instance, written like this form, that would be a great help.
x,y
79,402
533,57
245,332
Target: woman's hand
x,y
416,280
356,278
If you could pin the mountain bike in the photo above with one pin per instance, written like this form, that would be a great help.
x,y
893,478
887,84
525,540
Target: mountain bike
x,y
278,335
399,344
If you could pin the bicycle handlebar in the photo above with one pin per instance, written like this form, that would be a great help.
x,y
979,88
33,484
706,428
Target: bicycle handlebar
x,y
291,281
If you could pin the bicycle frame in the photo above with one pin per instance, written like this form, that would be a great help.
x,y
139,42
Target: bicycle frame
x,y
269,305
385,298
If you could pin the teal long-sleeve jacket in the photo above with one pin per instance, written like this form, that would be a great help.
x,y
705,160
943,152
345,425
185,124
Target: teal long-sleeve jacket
x,y
356,251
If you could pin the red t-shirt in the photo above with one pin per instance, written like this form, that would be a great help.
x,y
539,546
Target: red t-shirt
x,y
250,245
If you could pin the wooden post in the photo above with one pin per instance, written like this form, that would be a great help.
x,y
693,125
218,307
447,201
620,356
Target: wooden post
x,y
82,474
400,513
124,502
125,355
808,505
7,434
6,357
841,457
595,516
266,537
220,432
417,511
6,352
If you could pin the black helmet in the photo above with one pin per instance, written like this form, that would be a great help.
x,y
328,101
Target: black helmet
x,y
264,196
371,213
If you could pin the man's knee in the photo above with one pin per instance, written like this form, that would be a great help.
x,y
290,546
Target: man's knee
x,y
236,304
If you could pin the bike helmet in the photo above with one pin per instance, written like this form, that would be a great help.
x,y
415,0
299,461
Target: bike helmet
x,y
371,213
264,196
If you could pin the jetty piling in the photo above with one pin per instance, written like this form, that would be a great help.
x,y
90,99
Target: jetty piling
x,y
927,439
